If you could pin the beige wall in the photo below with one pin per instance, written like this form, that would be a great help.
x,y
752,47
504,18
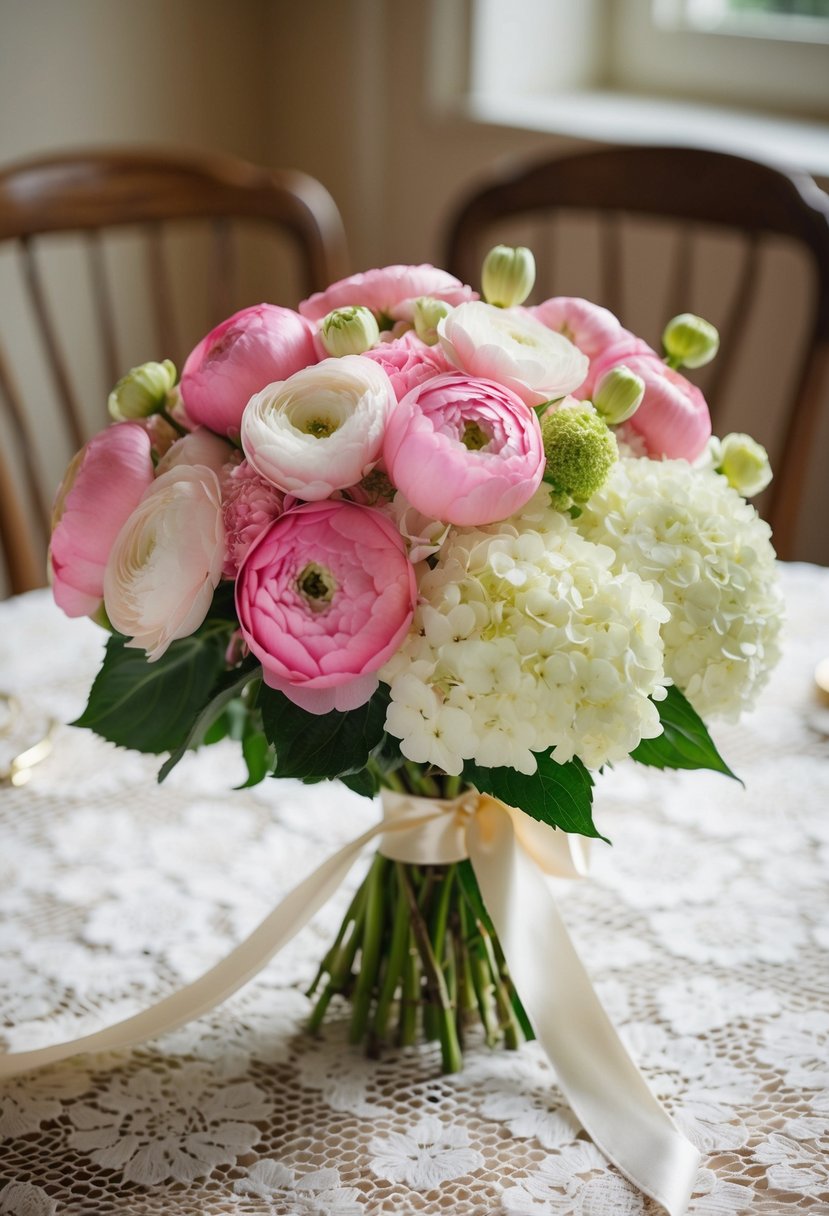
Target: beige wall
x,y
334,87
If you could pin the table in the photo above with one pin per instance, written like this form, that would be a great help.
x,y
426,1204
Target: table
x,y
706,928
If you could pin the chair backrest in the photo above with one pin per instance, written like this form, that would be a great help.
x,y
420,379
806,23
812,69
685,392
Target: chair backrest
x,y
720,226
168,229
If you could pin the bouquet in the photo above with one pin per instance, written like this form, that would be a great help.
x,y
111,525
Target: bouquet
x,y
457,551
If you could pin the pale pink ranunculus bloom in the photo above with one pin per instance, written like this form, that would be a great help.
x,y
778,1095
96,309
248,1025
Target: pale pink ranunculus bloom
x,y
589,326
101,488
615,354
390,291
249,505
167,560
408,362
238,358
673,419
201,446
464,450
325,598
514,349
322,429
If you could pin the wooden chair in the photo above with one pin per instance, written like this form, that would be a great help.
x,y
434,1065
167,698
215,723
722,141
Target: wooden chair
x,y
121,211
745,211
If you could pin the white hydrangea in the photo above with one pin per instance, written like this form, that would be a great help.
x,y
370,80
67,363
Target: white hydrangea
x,y
526,640
711,554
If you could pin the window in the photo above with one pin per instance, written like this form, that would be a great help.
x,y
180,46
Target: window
x,y
789,20
648,71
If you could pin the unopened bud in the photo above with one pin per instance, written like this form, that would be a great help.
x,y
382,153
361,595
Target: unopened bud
x,y
618,394
349,331
745,464
142,392
690,341
427,312
508,275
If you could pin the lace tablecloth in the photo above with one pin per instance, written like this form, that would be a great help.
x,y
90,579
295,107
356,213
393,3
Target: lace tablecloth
x,y
706,928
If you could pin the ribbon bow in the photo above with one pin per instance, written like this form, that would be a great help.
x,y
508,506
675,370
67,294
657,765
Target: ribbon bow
x,y
510,854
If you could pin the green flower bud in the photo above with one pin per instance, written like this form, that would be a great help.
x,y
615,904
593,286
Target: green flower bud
x,y
143,391
349,331
745,464
689,341
427,313
580,450
508,275
618,394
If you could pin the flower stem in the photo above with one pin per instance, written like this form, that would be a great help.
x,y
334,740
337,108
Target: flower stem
x,y
340,970
170,420
370,953
395,962
451,1057
410,995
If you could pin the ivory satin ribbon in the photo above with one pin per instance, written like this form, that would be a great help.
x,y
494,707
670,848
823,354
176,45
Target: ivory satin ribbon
x,y
510,854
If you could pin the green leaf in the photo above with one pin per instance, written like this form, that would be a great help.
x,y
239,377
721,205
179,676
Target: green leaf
x,y
684,742
150,706
316,747
223,605
363,782
258,756
225,690
557,794
219,730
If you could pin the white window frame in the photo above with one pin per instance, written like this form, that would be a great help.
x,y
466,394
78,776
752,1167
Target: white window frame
x,y
623,83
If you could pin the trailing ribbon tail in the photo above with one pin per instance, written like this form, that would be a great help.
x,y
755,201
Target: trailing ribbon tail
x,y
510,854
601,1082
215,986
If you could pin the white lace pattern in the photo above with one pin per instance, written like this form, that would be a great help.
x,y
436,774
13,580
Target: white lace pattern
x,y
705,927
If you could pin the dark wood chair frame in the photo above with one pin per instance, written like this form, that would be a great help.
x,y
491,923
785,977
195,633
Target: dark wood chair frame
x,y
93,190
695,187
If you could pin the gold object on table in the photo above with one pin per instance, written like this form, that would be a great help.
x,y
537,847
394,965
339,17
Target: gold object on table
x,y
19,769
822,681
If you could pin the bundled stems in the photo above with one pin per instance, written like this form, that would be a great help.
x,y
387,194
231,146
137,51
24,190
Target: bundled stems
x,y
417,956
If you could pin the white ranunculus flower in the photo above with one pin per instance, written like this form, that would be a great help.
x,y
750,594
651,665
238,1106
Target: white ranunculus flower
x,y
512,348
167,560
200,446
322,429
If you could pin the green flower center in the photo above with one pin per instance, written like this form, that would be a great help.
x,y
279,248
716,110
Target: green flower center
x,y
317,585
474,437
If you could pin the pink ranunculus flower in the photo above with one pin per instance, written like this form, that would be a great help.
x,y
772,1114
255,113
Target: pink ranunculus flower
x,y
619,352
464,450
514,349
673,419
101,488
325,598
167,560
390,291
238,358
589,326
322,429
408,362
249,505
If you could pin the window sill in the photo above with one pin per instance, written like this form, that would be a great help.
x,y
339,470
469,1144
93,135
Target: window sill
x,y
623,118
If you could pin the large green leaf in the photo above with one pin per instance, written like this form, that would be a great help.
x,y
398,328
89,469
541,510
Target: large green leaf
x,y
228,686
684,742
150,706
363,782
258,756
557,794
314,747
